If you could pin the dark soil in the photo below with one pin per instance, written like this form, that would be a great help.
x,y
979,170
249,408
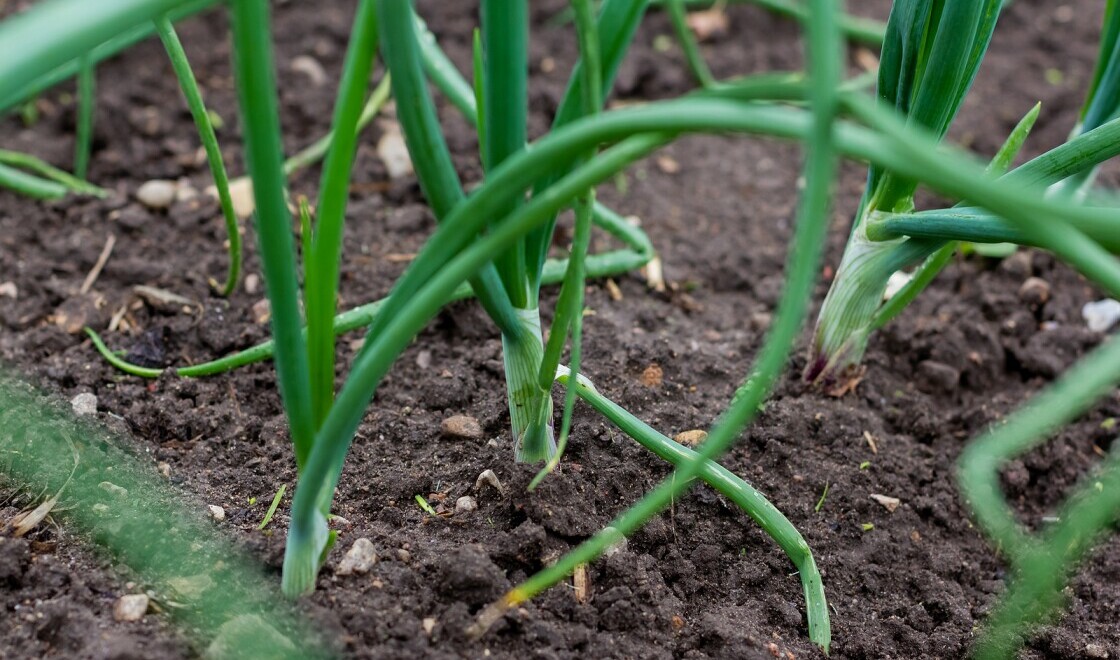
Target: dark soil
x,y
700,580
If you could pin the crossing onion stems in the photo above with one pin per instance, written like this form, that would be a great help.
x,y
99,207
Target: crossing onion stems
x,y
805,252
493,242
747,498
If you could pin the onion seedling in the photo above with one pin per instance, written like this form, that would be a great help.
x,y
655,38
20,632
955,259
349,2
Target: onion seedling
x,y
805,253
496,237
931,53
652,124
888,235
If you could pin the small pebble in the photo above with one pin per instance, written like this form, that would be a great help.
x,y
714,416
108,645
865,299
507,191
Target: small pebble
x,y
262,311
1096,651
393,152
1035,291
164,470
131,607
77,312
191,587
465,504
461,426
709,23
252,283
185,192
888,503
668,165
358,559
113,489
241,192
217,512
1018,264
84,404
157,193
691,438
404,556
310,67
9,289
1101,315
429,624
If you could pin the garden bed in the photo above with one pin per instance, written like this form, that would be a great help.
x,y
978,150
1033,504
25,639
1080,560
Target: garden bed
x,y
700,580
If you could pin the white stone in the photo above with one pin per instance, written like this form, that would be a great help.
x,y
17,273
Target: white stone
x,y
185,193
310,67
465,504
217,512
358,559
157,193
1101,315
393,151
84,404
241,193
131,607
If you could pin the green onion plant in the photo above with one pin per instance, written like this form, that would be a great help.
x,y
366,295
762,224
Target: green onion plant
x,y
931,53
493,242
888,234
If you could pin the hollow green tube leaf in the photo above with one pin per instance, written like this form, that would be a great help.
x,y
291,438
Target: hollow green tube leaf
x,y
503,125
321,286
618,21
209,138
54,32
255,74
430,156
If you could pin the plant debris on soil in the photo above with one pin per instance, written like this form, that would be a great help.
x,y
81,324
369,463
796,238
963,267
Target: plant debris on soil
x,y
905,572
